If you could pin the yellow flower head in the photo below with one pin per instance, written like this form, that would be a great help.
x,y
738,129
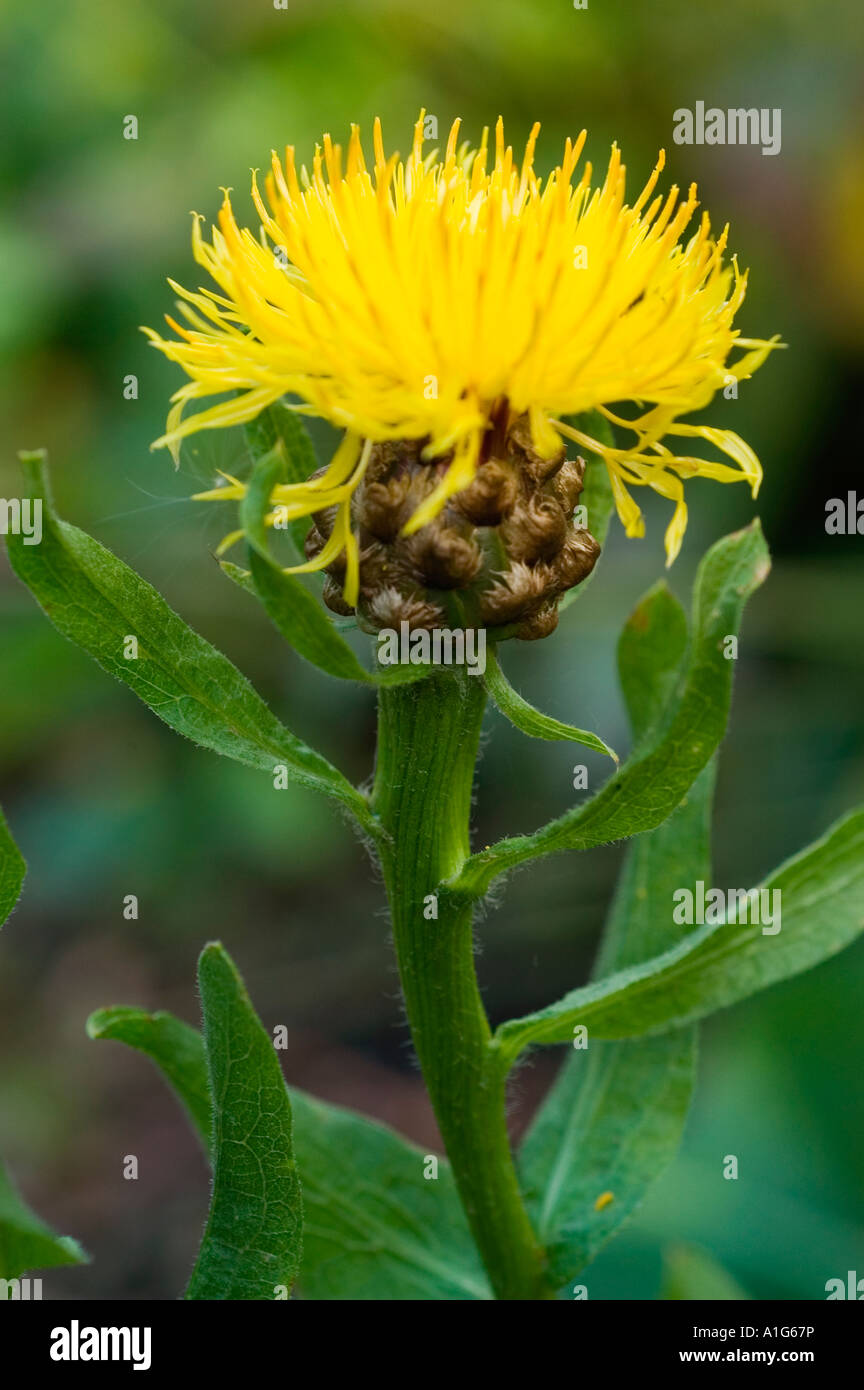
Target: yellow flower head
x,y
412,300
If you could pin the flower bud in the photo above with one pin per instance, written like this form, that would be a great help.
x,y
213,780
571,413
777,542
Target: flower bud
x,y
499,554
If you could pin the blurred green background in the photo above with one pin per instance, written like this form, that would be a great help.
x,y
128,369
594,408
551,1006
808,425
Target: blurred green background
x,y
105,801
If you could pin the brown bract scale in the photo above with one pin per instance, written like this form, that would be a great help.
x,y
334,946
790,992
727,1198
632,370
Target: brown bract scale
x,y
499,555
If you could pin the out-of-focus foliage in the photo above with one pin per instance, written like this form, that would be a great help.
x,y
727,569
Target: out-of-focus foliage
x,y
107,804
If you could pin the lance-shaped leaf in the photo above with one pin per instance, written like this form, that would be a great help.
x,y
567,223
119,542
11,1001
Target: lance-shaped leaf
x,y
12,871
379,1224
253,1238
525,717
610,1126
99,603
821,901
597,498
656,777
279,424
242,578
281,427
614,1118
255,505
177,1050
651,650
26,1243
298,614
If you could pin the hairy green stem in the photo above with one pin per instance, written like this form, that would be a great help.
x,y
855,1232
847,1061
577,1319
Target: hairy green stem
x,y
427,749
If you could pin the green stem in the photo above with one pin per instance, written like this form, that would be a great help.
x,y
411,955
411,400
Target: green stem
x,y
427,748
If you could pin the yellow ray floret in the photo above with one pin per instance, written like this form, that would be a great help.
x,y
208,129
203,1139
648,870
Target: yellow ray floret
x,y
407,301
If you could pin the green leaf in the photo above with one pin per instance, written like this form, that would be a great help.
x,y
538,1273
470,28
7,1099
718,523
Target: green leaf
x,y
529,719
298,614
383,675
252,1241
255,506
614,1118
277,426
610,1126
177,1050
26,1243
301,619
97,601
375,1227
597,496
651,649
12,871
822,896
242,578
656,777
691,1274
